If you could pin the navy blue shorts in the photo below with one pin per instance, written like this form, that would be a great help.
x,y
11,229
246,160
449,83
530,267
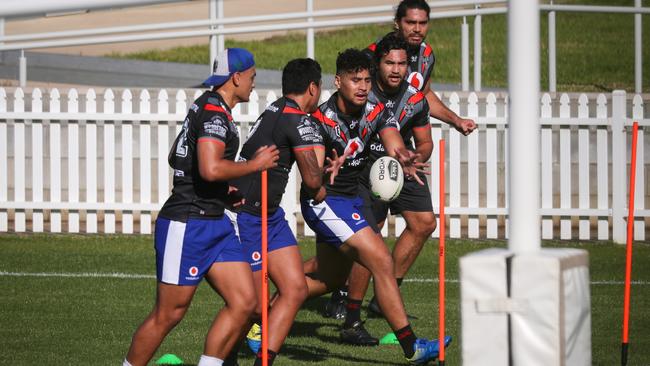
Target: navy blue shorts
x,y
334,220
250,234
185,251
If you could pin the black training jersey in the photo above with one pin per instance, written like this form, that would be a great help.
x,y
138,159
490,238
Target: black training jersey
x,y
420,64
352,134
284,125
208,120
411,111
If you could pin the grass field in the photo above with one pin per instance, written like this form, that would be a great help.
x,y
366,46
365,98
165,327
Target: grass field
x,y
595,52
73,300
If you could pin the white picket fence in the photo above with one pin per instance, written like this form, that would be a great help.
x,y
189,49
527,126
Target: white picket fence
x,y
64,166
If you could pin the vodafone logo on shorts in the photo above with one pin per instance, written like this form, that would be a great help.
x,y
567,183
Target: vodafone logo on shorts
x,y
193,271
256,256
356,216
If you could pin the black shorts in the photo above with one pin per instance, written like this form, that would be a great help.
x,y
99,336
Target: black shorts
x,y
414,197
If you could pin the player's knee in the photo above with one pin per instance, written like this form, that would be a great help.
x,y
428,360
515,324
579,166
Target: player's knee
x,y
169,318
245,304
424,227
382,264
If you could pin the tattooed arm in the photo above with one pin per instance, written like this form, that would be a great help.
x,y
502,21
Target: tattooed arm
x,y
310,163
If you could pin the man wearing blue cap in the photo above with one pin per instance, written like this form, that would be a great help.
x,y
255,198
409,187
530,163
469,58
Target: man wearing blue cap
x,y
193,237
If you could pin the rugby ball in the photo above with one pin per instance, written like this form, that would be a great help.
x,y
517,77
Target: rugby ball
x,y
386,179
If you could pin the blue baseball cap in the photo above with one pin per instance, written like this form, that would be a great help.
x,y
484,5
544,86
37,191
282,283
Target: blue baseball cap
x,y
228,62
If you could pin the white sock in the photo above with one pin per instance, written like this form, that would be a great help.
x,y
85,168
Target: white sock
x,y
210,361
126,363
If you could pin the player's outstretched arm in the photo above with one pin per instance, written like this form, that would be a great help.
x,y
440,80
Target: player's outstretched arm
x,y
310,165
213,167
438,110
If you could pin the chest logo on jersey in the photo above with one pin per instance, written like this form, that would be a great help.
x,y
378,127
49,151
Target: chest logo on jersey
x,y
408,110
354,147
390,103
416,79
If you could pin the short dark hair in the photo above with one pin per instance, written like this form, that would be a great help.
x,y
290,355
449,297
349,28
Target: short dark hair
x,y
404,5
353,60
298,74
391,41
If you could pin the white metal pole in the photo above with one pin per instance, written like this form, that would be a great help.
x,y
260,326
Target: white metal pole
x,y
638,51
22,70
523,126
464,46
221,43
552,76
310,31
477,52
2,34
212,12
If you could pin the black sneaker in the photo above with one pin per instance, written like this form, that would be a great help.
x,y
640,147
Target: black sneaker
x,y
335,307
358,335
374,311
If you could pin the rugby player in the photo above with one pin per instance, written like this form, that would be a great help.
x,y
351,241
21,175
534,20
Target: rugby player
x,y
193,237
349,122
286,124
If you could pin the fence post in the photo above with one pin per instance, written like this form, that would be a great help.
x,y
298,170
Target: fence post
x,y
22,69
638,50
4,161
310,31
477,51
619,166
552,78
464,46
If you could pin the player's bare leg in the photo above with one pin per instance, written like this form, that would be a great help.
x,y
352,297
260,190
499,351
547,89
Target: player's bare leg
x,y
172,302
234,282
328,270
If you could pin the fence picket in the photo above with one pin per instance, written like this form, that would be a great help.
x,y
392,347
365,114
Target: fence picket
x,y
55,161
19,161
91,161
37,161
602,167
127,162
434,180
454,170
73,161
491,178
4,162
145,163
639,194
163,147
547,167
584,162
109,162
473,178
565,168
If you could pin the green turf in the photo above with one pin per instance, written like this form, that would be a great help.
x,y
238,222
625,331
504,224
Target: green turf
x,y
72,320
595,52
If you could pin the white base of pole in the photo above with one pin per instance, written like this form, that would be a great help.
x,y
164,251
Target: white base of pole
x,y
526,309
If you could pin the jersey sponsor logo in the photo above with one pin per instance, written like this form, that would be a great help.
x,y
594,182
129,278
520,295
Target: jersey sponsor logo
x,y
272,108
356,216
377,147
181,147
215,126
194,107
390,103
256,256
354,147
179,173
416,79
414,58
408,109
193,271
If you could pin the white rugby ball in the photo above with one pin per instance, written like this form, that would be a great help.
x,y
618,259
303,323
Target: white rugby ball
x,y
386,178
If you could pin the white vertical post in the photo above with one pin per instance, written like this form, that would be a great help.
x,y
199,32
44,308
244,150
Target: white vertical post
x,y
221,39
473,178
162,149
454,170
127,163
619,166
4,161
584,162
436,134
55,161
37,161
523,79
477,51
638,50
310,31
491,179
145,163
19,161
602,167
22,69
91,162
212,15
547,167
109,162
640,190
565,167
464,46
552,78
73,162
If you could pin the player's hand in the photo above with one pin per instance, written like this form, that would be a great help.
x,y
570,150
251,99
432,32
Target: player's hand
x,y
410,164
465,126
334,164
235,199
266,157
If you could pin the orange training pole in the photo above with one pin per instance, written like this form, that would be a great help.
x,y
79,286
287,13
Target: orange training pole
x,y
630,238
441,274
265,277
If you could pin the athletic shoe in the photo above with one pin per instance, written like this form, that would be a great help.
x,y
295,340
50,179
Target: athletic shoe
x,y
426,350
335,307
254,338
374,311
358,335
